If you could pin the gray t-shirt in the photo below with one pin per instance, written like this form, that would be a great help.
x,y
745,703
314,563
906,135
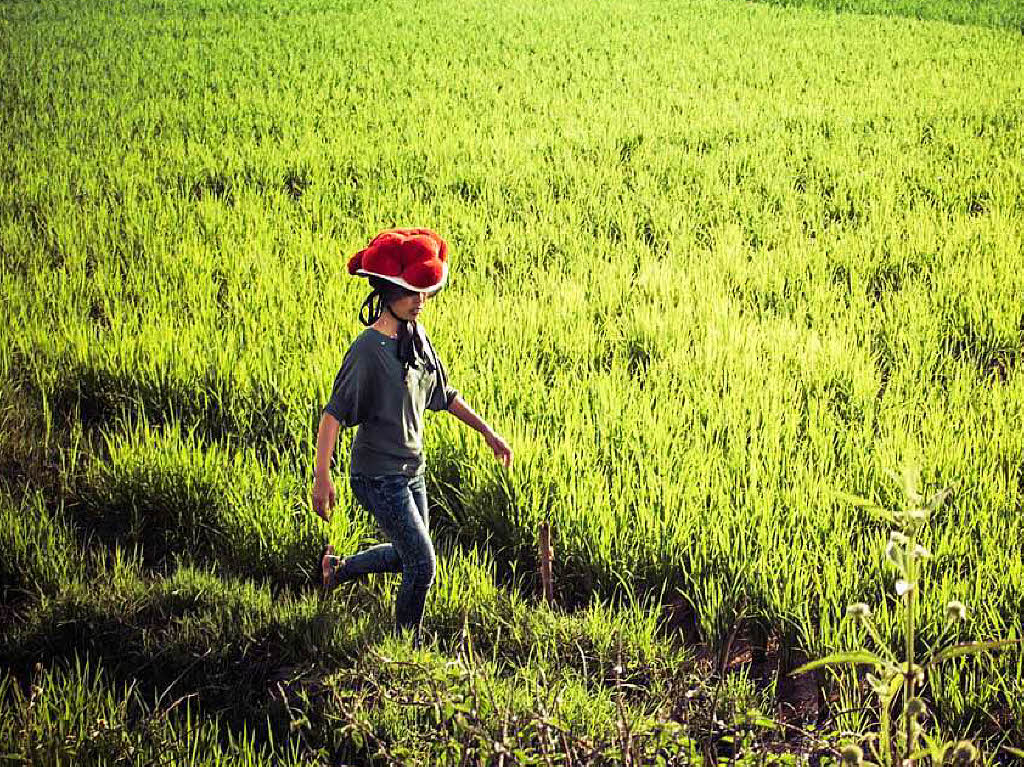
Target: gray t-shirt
x,y
371,392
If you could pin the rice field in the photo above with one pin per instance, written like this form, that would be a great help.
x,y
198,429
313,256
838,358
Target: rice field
x,y
714,264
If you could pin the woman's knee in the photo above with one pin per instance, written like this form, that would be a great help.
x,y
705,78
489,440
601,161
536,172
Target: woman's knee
x,y
423,570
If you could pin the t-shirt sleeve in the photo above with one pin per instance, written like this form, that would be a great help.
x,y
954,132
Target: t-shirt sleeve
x,y
351,400
444,393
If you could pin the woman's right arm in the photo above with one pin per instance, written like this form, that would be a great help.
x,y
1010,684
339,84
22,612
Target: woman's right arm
x,y
323,490
350,403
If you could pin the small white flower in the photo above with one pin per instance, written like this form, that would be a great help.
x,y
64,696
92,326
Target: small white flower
x,y
878,687
920,552
894,555
956,611
858,611
898,538
903,587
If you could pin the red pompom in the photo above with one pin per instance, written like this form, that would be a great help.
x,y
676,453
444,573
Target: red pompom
x,y
384,258
417,250
388,237
416,256
356,262
438,246
424,274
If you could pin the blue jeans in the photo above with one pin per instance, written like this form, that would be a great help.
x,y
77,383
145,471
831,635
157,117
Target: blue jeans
x,y
399,506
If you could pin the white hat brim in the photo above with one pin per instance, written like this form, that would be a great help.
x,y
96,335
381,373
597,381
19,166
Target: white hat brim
x,y
406,285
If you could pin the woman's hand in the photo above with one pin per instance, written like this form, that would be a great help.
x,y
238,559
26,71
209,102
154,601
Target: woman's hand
x,y
500,448
464,413
323,496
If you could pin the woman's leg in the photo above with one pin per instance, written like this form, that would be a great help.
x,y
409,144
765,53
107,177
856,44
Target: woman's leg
x,y
399,505
418,486
382,558
396,507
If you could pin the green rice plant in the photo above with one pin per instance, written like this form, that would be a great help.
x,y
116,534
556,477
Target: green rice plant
x,y
41,553
509,629
402,706
77,715
709,260
894,678
999,13
464,590
221,641
163,489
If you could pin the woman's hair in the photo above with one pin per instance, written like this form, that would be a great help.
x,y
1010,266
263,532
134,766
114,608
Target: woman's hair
x,y
410,341
383,293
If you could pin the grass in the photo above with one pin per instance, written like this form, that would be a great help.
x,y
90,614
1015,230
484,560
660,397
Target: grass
x,y
712,263
998,13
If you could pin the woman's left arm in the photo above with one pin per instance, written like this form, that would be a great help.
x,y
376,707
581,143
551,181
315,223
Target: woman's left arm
x,y
464,413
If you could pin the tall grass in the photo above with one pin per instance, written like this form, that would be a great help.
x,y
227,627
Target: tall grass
x,y
74,715
997,13
711,263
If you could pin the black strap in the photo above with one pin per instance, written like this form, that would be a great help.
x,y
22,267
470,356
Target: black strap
x,y
411,341
372,308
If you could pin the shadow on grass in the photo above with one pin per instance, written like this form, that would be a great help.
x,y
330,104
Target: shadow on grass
x,y
221,642
213,405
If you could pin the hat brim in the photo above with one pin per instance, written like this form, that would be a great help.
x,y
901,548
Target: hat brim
x,y
414,288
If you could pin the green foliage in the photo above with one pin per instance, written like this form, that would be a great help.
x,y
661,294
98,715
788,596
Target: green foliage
x,y
996,13
75,715
711,260
400,707
164,490
898,742
39,551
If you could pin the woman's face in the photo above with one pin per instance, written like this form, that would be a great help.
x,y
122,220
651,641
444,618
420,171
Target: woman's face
x,y
409,306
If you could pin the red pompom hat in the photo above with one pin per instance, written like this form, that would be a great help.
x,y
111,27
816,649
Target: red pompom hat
x,y
416,259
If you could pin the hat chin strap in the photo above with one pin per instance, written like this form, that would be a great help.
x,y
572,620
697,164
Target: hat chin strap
x,y
410,344
387,308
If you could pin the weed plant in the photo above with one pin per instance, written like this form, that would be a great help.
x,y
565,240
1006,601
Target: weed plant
x,y
710,261
903,738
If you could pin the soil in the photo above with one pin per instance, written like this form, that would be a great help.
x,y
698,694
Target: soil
x,y
800,700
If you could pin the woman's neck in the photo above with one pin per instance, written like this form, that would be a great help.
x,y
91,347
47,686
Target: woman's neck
x,y
387,324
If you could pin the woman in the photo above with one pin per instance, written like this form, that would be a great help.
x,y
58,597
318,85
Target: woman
x,y
389,375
